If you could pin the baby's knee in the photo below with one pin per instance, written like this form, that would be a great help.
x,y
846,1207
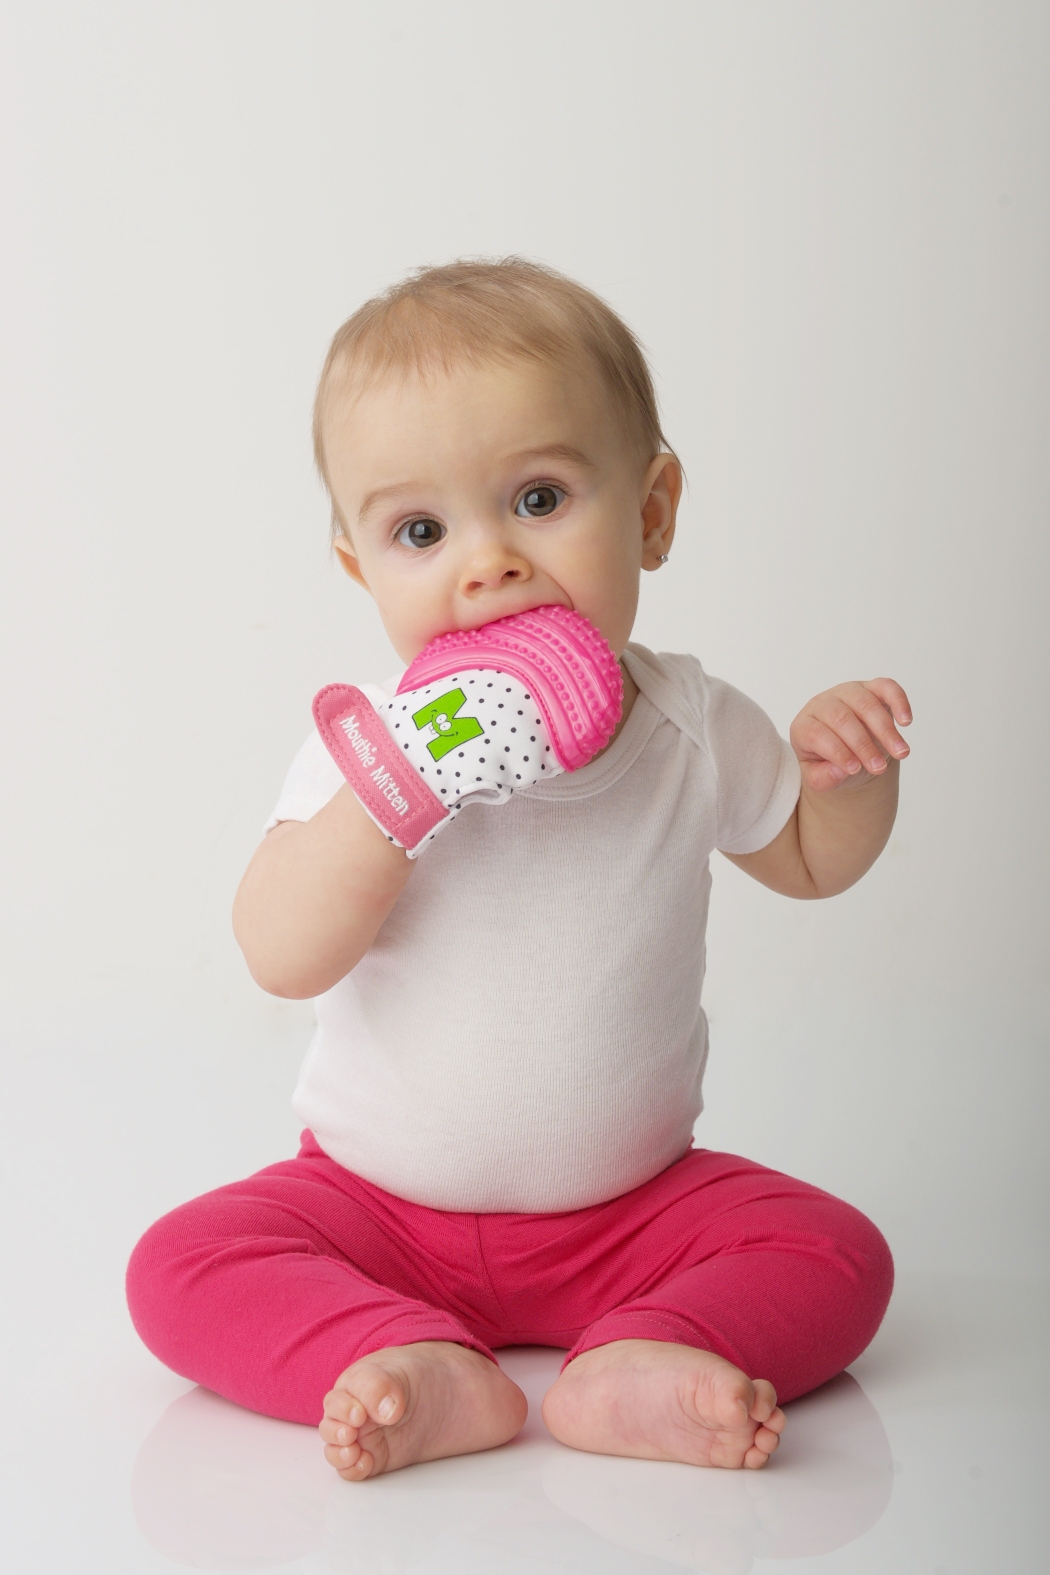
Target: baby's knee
x,y
871,1265
156,1276
877,1251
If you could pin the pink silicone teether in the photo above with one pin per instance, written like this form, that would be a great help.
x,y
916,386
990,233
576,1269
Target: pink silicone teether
x,y
561,658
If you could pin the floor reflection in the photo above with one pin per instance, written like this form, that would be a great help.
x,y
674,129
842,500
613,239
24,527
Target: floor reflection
x,y
218,1488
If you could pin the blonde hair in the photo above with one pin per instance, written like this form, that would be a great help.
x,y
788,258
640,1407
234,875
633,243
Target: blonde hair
x,y
484,311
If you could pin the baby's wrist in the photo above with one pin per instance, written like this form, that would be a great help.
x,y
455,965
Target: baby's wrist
x,y
366,751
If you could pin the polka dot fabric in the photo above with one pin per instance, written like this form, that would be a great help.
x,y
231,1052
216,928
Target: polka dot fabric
x,y
510,749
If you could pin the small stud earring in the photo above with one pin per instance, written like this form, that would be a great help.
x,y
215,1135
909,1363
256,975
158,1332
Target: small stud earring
x,y
664,558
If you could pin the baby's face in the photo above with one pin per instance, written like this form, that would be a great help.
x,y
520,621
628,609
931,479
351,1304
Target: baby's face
x,y
490,490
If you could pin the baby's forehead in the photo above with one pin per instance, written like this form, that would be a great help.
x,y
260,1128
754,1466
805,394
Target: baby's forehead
x,y
501,373
529,402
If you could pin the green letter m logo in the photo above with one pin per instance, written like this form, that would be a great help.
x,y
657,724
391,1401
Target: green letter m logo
x,y
451,730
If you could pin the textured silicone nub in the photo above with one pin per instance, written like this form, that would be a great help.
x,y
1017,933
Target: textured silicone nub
x,y
563,661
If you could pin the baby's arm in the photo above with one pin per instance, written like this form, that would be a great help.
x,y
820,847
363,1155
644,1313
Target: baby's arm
x,y
314,897
850,752
545,694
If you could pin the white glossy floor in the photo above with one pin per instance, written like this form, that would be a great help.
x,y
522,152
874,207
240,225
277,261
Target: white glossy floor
x,y
930,1456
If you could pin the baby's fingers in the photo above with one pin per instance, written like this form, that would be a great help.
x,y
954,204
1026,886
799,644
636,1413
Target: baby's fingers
x,y
844,749
889,691
820,776
877,712
861,722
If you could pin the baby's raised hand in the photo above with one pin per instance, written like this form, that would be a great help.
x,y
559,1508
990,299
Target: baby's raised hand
x,y
850,732
479,714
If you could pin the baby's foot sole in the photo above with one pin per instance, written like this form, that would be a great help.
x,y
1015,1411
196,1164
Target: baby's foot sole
x,y
416,1402
657,1401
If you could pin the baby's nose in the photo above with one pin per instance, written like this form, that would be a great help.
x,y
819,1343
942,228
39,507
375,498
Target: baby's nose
x,y
492,566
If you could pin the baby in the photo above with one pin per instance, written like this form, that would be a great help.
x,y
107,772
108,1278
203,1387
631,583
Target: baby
x,y
501,1094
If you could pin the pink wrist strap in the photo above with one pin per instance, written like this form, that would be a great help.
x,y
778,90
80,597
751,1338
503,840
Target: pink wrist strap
x,y
365,753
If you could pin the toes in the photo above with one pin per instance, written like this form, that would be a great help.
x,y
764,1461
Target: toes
x,y
351,1462
765,1401
334,1432
390,1408
344,1456
376,1395
363,1467
762,1446
382,1396
776,1420
342,1406
734,1403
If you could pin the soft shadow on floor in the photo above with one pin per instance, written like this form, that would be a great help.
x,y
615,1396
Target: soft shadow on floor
x,y
218,1488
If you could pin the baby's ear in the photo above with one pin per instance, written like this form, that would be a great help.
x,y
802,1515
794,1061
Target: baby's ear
x,y
348,559
662,492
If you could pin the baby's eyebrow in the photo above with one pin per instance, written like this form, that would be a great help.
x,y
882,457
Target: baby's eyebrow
x,y
574,456
379,495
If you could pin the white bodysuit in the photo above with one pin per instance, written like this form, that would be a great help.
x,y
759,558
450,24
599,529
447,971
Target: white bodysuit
x,y
525,1033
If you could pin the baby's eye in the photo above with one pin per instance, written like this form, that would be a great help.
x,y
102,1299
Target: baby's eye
x,y
420,533
538,501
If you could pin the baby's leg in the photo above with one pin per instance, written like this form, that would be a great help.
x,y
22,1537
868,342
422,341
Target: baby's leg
x,y
750,1285
269,1292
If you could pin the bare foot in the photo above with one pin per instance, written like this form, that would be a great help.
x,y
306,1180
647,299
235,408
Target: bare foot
x,y
417,1402
658,1401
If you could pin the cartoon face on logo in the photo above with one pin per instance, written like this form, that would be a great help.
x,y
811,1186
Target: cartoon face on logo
x,y
450,728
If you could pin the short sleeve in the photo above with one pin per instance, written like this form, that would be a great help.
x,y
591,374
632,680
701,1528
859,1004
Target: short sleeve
x,y
313,779
757,771
757,778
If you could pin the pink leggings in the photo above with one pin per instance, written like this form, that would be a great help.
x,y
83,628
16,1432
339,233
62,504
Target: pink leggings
x,y
267,1289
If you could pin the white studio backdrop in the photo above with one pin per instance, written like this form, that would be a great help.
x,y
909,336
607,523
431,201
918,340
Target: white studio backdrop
x,y
828,224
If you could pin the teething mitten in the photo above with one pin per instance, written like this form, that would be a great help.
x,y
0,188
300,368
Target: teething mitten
x,y
478,714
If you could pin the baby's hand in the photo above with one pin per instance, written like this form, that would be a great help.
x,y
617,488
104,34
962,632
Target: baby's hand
x,y
478,714
849,732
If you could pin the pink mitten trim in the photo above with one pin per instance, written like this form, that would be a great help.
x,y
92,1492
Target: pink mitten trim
x,y
365,753
558,655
